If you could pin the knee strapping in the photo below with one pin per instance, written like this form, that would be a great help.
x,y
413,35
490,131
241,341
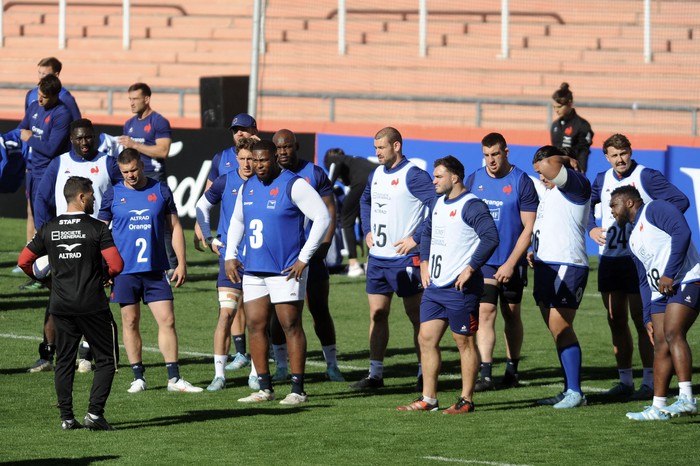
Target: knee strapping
x,y
228,300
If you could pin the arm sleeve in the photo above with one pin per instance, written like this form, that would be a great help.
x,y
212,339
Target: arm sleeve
x,y
671,221
312,206
26,260
644,290
203,209
115,175
420,185
595,200
236,229
426,233
171,208
162,129
476,214
584,138
325,187
57,137
214,170
105,213
28,99
45,197
469,182
529,201
577,188
659,187
31,253
70,103
211,197
115,263
366,207
24,124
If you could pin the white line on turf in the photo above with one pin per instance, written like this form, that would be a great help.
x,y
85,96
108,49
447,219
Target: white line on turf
x,y
463,461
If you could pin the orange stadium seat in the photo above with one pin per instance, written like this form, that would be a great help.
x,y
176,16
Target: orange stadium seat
x,y
595,46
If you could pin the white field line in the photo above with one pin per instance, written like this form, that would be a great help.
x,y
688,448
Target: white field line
x,y
463,461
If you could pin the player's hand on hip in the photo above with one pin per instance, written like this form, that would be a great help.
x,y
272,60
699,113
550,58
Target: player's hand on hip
x,y
424,274
369,241
231,267
405,245
666,286
464,277
296,271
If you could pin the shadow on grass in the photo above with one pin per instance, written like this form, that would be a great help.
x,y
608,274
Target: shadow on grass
x,y
63,461
211,415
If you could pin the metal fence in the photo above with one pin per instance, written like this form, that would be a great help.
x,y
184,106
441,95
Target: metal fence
x,y
479,102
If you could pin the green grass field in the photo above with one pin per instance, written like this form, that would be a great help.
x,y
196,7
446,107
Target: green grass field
x,y
337,425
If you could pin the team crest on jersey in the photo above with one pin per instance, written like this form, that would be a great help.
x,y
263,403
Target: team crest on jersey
x,y
307,179
453,213
234,191
271,203
481,187
95,170
395,182
274,192
122,200
47,119
131,130
508,189
227,165
147,128
250,193
34,117
641,227
152,197
67,171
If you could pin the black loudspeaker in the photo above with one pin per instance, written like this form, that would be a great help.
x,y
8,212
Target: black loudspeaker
x,y
221,98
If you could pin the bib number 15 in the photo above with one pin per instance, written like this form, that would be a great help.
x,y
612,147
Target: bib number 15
x,y
379,235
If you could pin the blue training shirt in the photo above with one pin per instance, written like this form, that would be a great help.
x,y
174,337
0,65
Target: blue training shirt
x,y
50,134
146,131
506,198
64,96
138,224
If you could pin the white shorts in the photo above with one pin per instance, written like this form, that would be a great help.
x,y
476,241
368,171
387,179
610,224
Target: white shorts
x,y
278,287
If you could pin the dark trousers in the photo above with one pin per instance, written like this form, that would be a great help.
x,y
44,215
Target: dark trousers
x,y
100,332
348,213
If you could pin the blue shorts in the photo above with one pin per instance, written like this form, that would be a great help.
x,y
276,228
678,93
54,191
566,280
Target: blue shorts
x,y
404,281
559,286
318,272
150,287
222,280
511,292
687,294
460,308
617,274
